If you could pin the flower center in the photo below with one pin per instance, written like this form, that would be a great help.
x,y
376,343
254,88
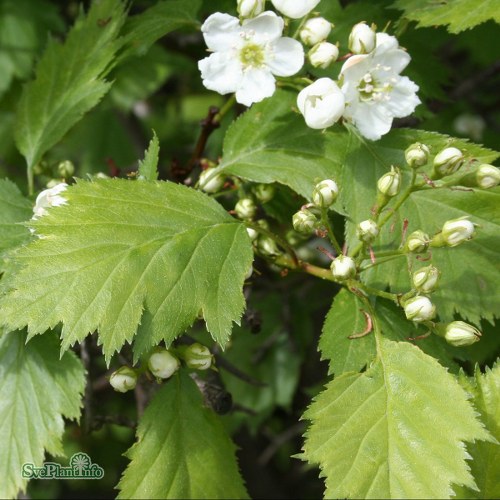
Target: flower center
x,y
252,55
371,89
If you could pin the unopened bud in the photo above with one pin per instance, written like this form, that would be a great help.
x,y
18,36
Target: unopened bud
x,y
425,279
325,193
460,334
66,169
211,182
124,379
367,230
323,54
245,208
163,364
417,242
264,192
454,232
250,8
304,221
252,233
267,246
362,39
419,309
447,162
487,176
315,30
343,268
51,197
390,183
197,357
417,155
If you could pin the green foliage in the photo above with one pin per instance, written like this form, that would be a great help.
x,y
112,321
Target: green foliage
x,y
119,247
38,389
458,15
148,168
182,449
368,429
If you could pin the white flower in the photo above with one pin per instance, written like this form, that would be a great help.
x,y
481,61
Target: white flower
x,y
315,30
374,91
295,8
245,57
321,103
49,198
323,54
250,8
361,39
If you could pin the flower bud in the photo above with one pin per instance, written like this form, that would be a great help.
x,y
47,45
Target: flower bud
x,y
362,39
66,169
323,54
304,221
49,198
210,182
390,183
264,192
124,379
295,9
315,30
367,230
417,155
487,176
448,161
197,357
454,232
252,233
322,103
419,309
325,193
163,364
460,334
425,279
250,8
267,246
417,242
245,208
343,268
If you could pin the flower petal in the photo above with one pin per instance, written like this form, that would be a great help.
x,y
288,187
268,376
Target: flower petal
x,y
372,120
257,84
221,72
221,32
402,99
385,43
295,8
264,28
285,57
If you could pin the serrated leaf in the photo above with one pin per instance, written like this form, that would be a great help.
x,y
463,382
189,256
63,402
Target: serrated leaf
x,y
148,168
485,464
182,449
282,148
458,15
69,80
394,431
118,247
38,389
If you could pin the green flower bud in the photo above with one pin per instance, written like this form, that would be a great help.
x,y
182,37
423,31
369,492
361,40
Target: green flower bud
x,y
425,279
323,54
252,233
447,162
362,39
390,183
210,182
367,230
264,192
343,268
417,242
198,357
417,155
325,193
459,334
454,232
267,246
124,379
163,364
66,169
304,221
487,176
245,208
419,309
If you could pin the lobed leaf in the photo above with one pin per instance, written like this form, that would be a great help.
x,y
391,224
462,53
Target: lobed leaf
x,y
148,168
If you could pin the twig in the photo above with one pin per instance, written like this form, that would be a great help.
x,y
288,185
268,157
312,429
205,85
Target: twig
x,y
279,441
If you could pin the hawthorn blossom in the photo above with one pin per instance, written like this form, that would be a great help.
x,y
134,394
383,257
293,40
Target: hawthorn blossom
x,y
375,93
295,8
246,56
49,198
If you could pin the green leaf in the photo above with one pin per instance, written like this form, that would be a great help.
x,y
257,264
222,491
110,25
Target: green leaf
x,y
394,431
458,15
69,80
118,247
182,449
14,208
38,389
485,465
282,148
148,168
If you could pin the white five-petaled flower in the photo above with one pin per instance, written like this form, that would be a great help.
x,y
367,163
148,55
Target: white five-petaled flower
x,y
49,198
246,56
375,93
295,8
